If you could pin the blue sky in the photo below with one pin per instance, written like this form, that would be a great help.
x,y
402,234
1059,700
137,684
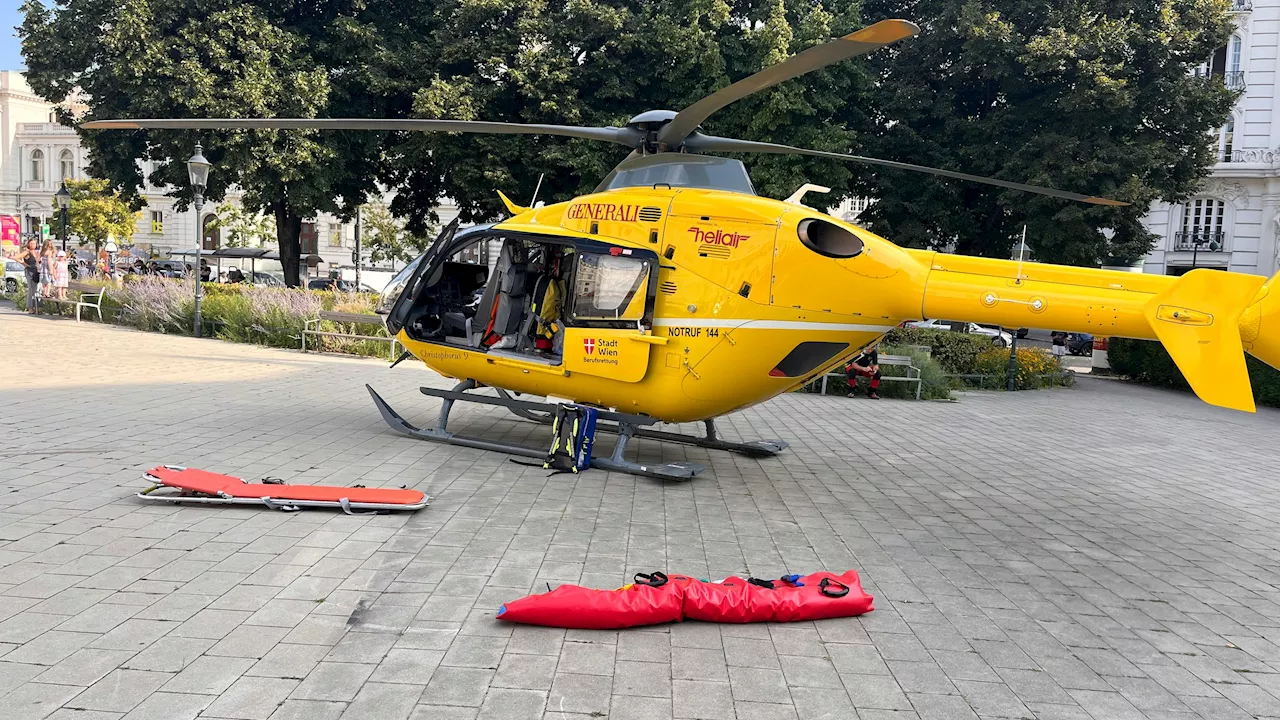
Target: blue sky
x,y
10,49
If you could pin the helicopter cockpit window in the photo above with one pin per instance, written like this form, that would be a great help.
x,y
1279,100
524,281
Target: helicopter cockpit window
x,y
610,287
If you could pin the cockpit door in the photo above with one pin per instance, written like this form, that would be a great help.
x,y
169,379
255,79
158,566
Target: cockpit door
x,y
608,313
397,300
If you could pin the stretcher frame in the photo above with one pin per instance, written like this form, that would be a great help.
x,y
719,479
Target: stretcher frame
x,y
161,493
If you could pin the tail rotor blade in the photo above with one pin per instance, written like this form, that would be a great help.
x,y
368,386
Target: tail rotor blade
x,y
710,143
874,37
622,136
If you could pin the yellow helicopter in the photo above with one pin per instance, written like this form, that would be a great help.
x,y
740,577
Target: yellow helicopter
x,y
674,293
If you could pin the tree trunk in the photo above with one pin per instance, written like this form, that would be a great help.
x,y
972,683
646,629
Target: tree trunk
x,y
288,235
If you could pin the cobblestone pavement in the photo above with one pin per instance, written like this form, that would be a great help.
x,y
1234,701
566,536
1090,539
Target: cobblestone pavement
x,y
1107,552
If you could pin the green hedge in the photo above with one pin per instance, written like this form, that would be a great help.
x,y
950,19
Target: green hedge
x,y
1146,361
956,352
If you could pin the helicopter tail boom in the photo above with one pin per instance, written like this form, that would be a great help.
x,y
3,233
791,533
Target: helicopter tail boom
x,y
1205,319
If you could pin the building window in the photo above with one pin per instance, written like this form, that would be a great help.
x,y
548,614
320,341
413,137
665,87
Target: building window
x,y
335,235
37,165
1234,76
67,165
1226,140
307,238
157,222
1203,224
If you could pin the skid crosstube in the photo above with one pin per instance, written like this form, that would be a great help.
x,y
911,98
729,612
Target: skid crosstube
x,y
615,462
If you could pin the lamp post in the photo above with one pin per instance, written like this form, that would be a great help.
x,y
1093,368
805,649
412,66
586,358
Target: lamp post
x,y
63,196
1214,246
198,171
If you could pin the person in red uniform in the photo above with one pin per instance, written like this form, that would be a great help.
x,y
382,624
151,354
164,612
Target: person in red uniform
x,y
865,365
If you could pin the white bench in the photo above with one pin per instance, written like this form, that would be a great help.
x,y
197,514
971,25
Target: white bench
x,y
312,327
90,297
913,372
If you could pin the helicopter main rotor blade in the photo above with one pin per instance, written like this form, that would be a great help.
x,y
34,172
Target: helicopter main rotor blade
x,y
874,37
622,136
710,143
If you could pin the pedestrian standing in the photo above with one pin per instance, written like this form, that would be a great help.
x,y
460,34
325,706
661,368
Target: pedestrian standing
x,y
61,273
1059,344
47,256
30,257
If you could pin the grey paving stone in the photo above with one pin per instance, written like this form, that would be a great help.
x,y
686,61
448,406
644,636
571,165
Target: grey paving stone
x,y
641,679
38,700
1147,591
309,710
701,699
857,659
379,701
875,692
458,686
251,698
508,704
626,707
333,681
758,685
84,667
699,664
120,690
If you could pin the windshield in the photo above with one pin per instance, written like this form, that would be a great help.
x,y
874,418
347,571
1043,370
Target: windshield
x,y
679,170
392,292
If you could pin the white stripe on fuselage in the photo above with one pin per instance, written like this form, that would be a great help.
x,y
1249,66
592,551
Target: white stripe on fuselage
x,y
747,324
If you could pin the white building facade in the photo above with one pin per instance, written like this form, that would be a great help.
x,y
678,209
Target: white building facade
x,y
37,154
1233,222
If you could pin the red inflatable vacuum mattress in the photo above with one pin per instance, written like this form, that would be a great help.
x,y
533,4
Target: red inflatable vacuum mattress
x,y
658,598
188,485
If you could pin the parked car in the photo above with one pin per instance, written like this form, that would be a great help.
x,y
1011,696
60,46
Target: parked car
x,y
1080,343
999,338
265,279
343,285
13,272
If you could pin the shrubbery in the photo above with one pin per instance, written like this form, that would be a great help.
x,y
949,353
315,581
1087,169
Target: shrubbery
x,y
956,352
239,313
1146,361
1035,368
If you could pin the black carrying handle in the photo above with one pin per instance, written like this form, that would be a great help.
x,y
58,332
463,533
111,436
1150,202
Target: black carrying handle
x,y
767,584
825,584
656,579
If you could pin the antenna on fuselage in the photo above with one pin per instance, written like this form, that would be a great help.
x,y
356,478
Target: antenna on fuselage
x,y
1022,250
536,188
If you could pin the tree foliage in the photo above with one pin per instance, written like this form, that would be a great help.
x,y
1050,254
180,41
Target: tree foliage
x,y
1088,95
216,58
600,63
385,238
242,227
98,213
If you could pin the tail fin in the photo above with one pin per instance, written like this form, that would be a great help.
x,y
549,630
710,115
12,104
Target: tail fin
x,y
1260,324
1198,319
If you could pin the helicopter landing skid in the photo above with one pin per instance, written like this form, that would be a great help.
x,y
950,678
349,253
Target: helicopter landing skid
x,y
712,441
625,427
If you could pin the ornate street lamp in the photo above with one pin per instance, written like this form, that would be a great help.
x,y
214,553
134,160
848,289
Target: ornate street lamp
x,y
198,171
64,205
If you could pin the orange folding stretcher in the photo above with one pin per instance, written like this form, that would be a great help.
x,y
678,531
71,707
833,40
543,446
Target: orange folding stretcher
x,y
189,485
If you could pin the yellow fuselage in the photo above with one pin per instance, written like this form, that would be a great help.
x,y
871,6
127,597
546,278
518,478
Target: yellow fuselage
x,y
737,291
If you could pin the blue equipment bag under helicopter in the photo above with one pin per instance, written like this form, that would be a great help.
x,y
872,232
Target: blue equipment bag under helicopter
x,y
573,431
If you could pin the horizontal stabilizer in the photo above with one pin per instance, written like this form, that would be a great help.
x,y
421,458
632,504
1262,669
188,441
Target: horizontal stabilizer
x,y
1198,321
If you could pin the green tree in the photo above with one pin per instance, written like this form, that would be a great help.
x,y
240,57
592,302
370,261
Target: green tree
x,y
600,64
98,213
242,227
385,238
217,58
1087,95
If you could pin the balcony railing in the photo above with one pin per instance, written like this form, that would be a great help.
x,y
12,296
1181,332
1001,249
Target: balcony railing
x,y
1202,239
1241,5
1233,80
